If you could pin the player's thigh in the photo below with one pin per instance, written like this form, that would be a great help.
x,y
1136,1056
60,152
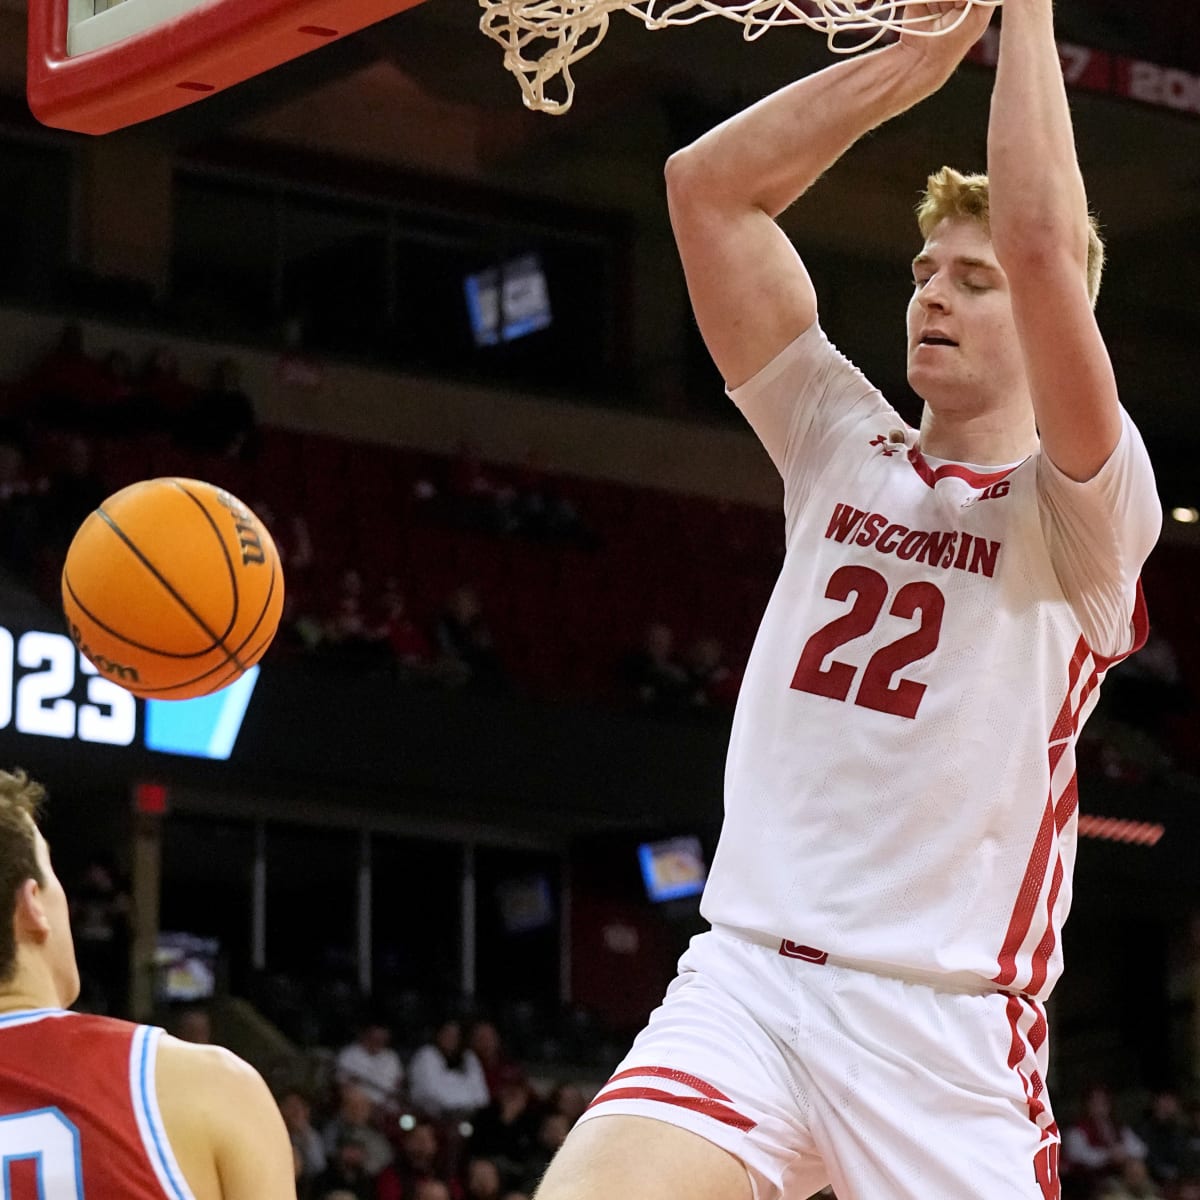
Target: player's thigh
x,y
639,1158
928,1094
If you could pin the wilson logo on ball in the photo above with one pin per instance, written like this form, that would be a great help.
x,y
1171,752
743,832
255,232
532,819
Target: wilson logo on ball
x,y
246,528
117,670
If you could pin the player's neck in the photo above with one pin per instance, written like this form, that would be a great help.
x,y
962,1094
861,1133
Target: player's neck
x,y
11,1002
994,438
28,989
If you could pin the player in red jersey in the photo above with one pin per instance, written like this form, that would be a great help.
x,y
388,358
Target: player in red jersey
x,y
93,1108
894,869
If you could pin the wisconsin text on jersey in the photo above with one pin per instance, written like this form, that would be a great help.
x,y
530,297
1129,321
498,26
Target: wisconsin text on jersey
x,y
946,548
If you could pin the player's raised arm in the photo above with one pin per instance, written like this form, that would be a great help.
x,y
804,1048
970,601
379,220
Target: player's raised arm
x,y
1040,234
750,291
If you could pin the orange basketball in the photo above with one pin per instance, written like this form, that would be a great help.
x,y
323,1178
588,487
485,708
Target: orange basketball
x,y
172,588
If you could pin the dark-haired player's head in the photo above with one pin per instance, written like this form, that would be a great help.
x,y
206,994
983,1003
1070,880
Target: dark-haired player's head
x,y
37,954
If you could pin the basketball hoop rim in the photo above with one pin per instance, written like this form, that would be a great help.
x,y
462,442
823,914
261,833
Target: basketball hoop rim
x,y
202,51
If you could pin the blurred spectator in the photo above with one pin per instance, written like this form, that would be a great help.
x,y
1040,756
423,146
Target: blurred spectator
x,y
1097,1145
303,1183
306,1141
370,1063
711,684
347,1169
568,1100
348,630
1148,687
354,1119
473,500
68,391
300,628
484,1040
413,650
653,675
1133,1183
221,421
432,1189
73,491
115,407
506,1130
18,510
466,643
416,1162
482,1180
291,538
540,511
1192,1152
1165,1135
100,927
552,1132
446,1079
194,1025
62,383
168,400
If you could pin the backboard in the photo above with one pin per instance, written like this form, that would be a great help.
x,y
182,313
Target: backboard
x,y
100,65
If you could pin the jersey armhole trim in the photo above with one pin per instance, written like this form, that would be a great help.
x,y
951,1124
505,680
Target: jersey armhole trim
x,y
143,1057
1139,631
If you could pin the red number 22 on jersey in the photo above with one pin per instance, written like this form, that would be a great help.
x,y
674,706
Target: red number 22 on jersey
x,y
870,592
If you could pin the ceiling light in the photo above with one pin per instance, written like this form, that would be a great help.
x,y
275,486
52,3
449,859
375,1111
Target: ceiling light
x,y
1185,516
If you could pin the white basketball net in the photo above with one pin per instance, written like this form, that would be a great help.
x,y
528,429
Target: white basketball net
x,y
543,38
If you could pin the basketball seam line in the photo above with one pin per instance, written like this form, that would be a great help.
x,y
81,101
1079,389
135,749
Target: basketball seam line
x,y
276,571
187,608
256,653
91,616
233,582
252,659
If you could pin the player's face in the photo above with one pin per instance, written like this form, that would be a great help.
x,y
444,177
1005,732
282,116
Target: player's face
x,y
963,350
60,946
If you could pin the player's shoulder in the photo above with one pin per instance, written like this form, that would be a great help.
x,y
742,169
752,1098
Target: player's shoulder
x,y
210,1091
203,1067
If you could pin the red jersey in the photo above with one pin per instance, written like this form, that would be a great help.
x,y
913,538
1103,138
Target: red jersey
x,y
79,1113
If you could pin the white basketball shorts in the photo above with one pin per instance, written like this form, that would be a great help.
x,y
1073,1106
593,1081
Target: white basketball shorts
x,y
813,1073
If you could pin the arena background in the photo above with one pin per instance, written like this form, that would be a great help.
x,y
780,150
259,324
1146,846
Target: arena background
x,y
438,848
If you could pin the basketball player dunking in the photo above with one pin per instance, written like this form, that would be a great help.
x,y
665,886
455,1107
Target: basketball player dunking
x,y
895,866
97,1109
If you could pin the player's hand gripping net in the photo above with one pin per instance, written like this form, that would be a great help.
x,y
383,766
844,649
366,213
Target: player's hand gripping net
x,y
543,38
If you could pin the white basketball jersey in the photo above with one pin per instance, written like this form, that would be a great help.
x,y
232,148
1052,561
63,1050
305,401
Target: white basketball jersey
x,y
900,789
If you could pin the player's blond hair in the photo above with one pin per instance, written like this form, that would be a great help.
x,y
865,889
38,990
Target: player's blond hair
x,y
951,194
20,803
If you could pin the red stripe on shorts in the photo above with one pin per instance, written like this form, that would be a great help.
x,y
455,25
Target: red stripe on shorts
x,y
698,1104
1018,1051
694,1082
